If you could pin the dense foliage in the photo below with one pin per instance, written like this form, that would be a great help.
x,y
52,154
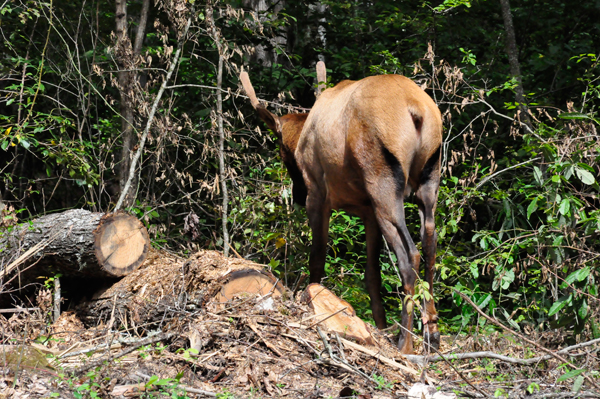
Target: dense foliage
x,y
518,216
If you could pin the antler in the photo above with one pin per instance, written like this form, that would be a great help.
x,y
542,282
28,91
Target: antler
x,y
249,89
270,119
321,77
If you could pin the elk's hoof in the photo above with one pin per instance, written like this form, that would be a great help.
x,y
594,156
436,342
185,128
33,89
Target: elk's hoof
x,y
432,339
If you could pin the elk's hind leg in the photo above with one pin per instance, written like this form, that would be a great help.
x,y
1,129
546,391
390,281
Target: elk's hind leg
x,y
386,191
426,197
318,211
373,270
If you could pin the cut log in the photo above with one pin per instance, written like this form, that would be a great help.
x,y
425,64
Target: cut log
x,y
336,314
250,281
75,243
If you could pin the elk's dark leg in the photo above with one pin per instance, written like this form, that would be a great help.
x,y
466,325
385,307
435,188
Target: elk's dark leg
x,y
395,232
318,218
426,199
373,270
386,191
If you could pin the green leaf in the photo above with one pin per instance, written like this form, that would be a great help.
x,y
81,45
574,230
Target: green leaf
x,y
577,384
564,207
532,207
570,374
583,310
569,172
578,275
574,115
474,269
484,302
511,321
585,176
507,279
537,174
595,329
5,144
556,306
164,381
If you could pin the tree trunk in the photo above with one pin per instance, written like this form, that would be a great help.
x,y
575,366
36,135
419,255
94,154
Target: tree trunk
x,y
261,53
75,243
216,36
513,59
126,56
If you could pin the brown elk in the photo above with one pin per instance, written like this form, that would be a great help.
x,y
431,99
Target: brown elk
x,y
362,148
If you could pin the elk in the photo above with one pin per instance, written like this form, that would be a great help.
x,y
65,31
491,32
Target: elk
x,y
362,148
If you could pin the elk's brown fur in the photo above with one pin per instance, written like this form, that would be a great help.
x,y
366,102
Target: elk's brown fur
x,y
362,148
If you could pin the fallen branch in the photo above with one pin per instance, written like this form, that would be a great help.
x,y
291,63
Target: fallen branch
x,y
134,389
335,361
18,310
521,336
147,341
269,345
482,392
566,395
491,355
378,356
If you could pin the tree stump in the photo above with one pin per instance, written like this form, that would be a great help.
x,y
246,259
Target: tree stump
x,y
336,314
250,281
75,243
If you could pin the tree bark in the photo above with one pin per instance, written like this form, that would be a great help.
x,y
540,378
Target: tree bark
x,y
216,36
513,59
75,243
126,56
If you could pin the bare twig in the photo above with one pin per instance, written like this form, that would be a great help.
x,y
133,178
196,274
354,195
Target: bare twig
x,y
17,310
487,178
183,387
521,336
378,356
491,355
485,394
147,341
57,298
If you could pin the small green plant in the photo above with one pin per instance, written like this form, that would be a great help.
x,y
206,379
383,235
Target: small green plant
x,y
381,382
143,351
533,387
190,353
88,389
166,387
225,395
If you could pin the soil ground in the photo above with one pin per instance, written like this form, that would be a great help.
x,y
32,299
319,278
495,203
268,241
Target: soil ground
x,y
160,336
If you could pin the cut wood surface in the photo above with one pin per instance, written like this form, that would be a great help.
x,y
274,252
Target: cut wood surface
x,y
121,243
336,314
76,243
249,281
